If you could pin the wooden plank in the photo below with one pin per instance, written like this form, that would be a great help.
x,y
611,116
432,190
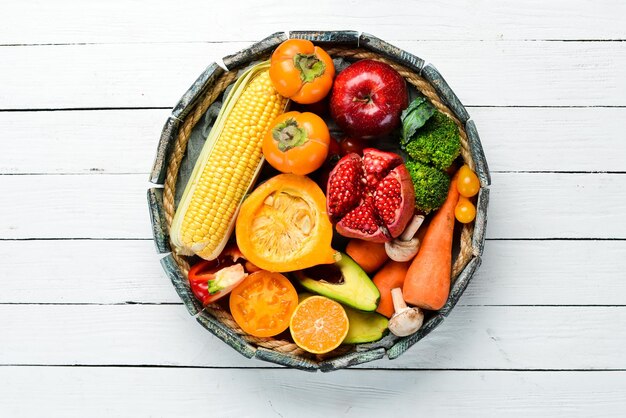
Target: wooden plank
x,y
541,205
550,273
124,141
75,206
114,206
471,337
83,272
156,75
111,141
512,273
119,21
143,392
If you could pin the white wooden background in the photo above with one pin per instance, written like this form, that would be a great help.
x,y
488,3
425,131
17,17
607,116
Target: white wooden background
x,y
90,326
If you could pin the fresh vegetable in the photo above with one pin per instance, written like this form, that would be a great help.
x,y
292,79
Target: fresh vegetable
x,y
406,246
431,186
468,183
465,211
414,117
390,276
343,281
227,166
365,327
214,279
370,256
367,99
296,143
319,325
263,303
437,143
427,282
282,226
405,321
302,71
370,197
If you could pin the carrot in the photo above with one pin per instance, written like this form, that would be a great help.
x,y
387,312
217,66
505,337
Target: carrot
x,y
427,282
369,255
389,277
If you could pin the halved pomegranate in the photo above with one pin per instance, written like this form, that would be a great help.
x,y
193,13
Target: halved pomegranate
x,y
370,197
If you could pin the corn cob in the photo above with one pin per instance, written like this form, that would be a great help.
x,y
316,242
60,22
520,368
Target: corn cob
x,y
227,167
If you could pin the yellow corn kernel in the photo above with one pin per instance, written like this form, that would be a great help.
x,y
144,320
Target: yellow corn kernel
x,y
227,167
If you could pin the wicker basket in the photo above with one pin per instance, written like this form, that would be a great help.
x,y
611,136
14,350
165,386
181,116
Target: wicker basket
x,y
191,108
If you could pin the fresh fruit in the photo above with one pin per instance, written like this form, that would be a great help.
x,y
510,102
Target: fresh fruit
x,y
227,167
343,281
319,325
370,256
365,327
368,98
282,226
427,283
211,280
296,143
370,197
263,303
465,211
468,183
352,145
302,71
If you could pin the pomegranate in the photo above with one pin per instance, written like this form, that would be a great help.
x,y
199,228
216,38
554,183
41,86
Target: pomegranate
x,y
370,197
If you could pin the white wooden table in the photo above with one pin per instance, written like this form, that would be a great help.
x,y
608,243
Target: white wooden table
x,y
90,325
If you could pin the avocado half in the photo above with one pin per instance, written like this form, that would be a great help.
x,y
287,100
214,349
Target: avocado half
x,y
344,281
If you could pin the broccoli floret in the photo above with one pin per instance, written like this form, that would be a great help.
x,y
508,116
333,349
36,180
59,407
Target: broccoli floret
x,y
431,185
437,143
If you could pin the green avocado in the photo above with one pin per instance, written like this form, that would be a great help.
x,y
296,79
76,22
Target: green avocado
x,y
365,327
343,281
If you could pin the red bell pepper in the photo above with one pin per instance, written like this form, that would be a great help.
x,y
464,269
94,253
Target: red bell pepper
x,y
212,280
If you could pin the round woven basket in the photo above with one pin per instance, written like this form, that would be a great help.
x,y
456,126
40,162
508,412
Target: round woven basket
x,y
209,87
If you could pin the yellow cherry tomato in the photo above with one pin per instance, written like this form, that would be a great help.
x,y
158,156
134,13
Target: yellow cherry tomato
x,y
468,183
465,211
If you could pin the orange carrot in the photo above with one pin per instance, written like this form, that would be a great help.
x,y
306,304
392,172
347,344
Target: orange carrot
x,y
427,282
389,277
369,255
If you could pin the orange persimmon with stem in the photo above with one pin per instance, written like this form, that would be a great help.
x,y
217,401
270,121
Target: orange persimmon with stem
x,y
301,71
297,143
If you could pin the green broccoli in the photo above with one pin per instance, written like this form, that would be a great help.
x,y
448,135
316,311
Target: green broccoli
x,y
437,143
431,185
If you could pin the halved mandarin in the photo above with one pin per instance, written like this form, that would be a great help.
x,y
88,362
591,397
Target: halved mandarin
x,y
319,325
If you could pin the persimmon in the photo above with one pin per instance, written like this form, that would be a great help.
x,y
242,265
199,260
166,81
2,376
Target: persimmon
x,y
297,143
301,71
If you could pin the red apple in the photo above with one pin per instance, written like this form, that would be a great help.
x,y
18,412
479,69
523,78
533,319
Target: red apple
x,y
367,99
